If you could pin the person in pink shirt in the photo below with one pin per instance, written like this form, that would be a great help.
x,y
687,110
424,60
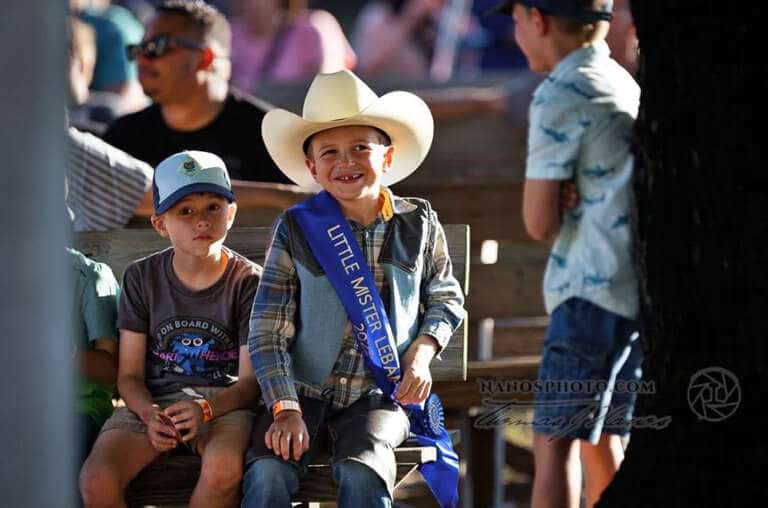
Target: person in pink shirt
x,y
397,37
281,41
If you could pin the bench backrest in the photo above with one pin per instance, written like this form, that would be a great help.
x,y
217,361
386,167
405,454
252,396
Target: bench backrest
x,y
120,248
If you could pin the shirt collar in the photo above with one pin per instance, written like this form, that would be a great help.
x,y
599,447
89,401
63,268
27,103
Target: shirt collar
x,y
391,205
577,58
385,204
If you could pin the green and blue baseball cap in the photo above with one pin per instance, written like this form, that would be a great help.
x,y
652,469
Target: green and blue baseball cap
x,y
189,172
584,10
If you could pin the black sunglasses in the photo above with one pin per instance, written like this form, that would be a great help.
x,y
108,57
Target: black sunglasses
x,y
158,46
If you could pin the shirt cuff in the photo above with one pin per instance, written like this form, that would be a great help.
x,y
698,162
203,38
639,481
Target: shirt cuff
x,y
278,388
546,172
439,330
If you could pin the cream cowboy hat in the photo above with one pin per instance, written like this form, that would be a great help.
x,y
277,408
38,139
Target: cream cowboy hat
x,y
340,99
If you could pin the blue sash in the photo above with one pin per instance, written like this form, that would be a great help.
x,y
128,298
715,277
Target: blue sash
x,y
334,246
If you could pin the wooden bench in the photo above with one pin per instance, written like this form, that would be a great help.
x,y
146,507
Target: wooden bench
x,y
170,479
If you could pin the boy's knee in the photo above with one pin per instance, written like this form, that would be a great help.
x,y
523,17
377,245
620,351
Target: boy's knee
x,y
270,475
269,471
222,471
99,485
353,474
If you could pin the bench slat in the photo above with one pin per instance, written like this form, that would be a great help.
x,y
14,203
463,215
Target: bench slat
x,y
121,247
170,481
171,478
459,396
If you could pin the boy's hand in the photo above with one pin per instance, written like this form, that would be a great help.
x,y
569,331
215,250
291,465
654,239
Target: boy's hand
x,y
416,382
569,196
288,433
162,434
187,417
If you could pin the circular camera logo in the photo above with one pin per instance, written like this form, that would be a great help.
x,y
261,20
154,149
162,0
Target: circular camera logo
x,y
714,394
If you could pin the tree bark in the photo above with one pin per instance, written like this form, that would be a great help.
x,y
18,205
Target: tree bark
x,y
701,222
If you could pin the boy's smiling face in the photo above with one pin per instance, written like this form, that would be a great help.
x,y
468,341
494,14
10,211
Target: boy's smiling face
x,y
197,224
348,162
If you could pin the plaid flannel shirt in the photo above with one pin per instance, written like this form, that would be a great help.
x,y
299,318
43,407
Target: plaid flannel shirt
x,y
272,321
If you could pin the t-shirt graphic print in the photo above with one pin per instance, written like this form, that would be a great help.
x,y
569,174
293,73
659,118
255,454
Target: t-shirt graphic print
x,y
197,348
193,337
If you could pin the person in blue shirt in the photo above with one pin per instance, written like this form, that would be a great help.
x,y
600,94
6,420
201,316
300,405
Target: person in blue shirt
x,y
578,192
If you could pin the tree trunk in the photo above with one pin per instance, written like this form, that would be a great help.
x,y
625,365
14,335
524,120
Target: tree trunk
x,y
701,182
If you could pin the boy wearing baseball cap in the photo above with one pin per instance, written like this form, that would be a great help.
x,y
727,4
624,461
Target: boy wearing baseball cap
x,y
356,299
184,371
578,191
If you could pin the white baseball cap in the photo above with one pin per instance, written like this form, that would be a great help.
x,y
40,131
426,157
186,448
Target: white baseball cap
x,y
189,172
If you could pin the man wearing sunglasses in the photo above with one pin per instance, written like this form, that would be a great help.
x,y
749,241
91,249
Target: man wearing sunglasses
x,y
184,68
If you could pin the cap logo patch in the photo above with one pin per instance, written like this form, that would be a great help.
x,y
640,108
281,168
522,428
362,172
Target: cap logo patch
x,y
189,168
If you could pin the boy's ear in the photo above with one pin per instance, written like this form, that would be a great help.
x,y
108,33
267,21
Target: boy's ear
x,y
311,167
207,59
388,155
540,21
231,213
158,222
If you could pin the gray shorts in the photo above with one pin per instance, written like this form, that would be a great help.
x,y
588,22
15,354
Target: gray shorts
x,y
125,419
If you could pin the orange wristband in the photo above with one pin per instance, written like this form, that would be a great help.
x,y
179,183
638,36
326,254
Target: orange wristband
x,y
283,405
207,409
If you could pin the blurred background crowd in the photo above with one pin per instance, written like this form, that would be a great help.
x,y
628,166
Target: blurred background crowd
x,y
279,42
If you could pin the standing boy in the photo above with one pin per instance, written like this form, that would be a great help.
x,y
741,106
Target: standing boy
x,y
581,121
319,363
183,323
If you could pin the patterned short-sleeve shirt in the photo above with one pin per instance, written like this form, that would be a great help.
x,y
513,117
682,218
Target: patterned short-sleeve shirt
x,y
581,120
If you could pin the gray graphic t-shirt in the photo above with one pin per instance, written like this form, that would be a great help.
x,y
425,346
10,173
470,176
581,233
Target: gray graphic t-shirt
x,y
193,337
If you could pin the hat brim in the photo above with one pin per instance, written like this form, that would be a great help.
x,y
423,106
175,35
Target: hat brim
x,y
574,11
504,7
195,188
402,115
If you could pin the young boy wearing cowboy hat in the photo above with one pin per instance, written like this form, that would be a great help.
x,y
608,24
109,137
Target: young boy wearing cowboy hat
x,y
314,355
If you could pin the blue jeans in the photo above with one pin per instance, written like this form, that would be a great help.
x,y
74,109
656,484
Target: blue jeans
x,y
271,482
